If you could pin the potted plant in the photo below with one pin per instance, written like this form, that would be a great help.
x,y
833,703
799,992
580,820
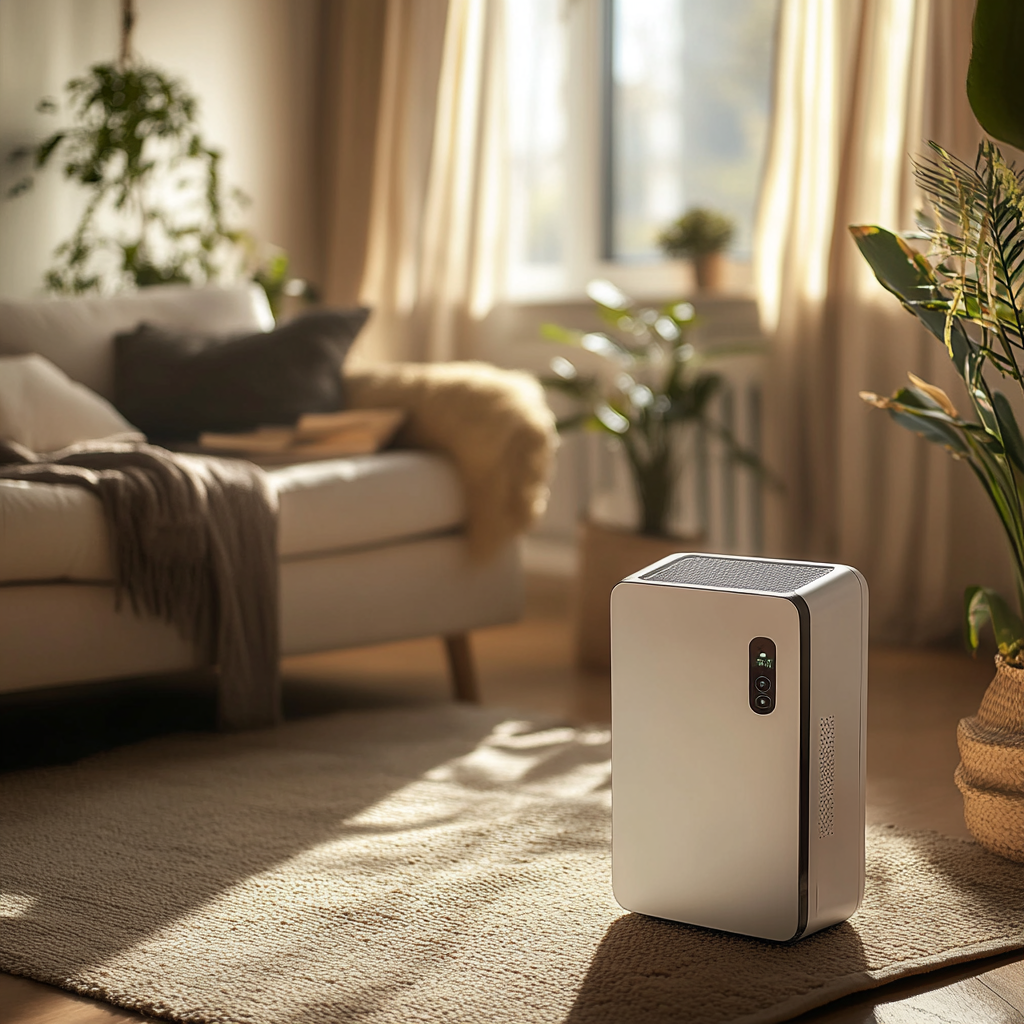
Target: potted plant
x,y
653,382
967,289
701,235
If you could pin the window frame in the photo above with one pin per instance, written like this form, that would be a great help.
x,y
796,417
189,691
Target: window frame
x,y
588,214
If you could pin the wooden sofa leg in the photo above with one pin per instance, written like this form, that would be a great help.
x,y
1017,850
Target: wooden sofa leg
x,y
460,664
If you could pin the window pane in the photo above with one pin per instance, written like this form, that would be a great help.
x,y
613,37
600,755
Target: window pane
x,y
690,87
536,62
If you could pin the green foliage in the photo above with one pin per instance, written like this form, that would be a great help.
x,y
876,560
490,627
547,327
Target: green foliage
x,y
982,606
156,210
968,291
698,232
993,78
652,383
272,276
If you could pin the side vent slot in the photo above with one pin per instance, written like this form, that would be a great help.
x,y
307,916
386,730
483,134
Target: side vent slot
x,y
827,781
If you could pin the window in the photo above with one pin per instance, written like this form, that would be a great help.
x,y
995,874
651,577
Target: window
x,y
536,38
623,114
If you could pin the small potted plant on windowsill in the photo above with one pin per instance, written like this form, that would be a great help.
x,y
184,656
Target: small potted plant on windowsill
x,y
701,235
652,382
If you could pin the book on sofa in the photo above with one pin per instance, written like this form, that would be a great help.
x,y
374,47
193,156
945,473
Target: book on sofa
x,y
314,436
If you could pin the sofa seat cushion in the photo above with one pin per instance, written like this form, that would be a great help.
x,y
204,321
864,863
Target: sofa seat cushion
x,y
52,532
365,500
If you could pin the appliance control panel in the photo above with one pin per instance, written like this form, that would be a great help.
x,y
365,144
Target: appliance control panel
x,y
762,675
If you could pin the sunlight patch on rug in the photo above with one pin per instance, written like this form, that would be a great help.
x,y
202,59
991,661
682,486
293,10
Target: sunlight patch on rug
x,y
14,904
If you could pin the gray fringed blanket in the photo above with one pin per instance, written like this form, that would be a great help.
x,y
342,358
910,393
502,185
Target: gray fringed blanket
x,y
194,541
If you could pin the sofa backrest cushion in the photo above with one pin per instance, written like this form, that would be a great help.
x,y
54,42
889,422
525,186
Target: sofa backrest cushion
x,y
43,409
77,334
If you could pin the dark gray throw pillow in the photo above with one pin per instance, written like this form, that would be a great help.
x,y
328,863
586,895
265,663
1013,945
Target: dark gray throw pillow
x,y
173,385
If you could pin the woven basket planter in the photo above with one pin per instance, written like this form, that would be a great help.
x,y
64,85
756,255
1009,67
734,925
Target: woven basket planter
x,y
991,770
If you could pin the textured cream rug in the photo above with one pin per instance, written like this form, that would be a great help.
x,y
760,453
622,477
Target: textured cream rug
x,y
438,865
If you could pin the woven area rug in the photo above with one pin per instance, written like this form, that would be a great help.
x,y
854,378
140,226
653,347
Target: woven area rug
x,y
437,865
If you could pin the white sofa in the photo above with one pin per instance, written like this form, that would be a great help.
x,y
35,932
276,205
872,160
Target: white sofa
x,y
360,563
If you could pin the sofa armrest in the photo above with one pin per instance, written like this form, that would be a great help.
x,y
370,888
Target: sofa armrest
x,y
494,424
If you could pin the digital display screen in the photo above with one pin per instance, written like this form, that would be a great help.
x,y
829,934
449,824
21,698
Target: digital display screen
x,y
761,676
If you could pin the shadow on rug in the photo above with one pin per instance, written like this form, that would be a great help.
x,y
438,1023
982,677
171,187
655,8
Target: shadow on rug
x,y
437,864
930,901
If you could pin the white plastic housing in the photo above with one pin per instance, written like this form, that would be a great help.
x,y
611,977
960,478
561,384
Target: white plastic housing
x,y
723,817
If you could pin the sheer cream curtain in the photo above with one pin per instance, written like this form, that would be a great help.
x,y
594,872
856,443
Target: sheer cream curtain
x,y
860,86
436,230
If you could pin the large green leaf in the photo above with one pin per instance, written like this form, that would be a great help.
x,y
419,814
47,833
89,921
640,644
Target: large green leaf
x,y
981,606
931,426
911,279
898,268
1009,430
994,75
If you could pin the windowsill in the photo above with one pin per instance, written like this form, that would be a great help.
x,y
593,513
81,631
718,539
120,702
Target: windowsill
x,y
653,281
510,335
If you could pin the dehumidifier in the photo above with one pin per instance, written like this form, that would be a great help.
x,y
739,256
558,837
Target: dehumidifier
x,y
739,689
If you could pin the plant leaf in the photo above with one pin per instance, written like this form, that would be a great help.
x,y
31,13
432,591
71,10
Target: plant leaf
x,y
1012,441
563,335
898,268
573,422
983,605
935,393
911,279
610,419
933,424
993,78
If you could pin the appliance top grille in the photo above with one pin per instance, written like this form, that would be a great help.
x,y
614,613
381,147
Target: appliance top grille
x,y
738,573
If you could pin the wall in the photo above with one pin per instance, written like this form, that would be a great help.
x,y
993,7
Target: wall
x,y
251,64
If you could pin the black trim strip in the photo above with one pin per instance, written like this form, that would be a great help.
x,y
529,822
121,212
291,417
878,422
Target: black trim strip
x,y
805,757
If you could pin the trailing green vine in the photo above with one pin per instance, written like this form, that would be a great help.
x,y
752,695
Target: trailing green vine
x,y
157,211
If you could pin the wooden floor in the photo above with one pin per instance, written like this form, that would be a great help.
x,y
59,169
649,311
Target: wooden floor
x,y
916,699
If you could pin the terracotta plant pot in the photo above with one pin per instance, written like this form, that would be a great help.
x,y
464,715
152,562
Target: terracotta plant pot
x,y
606,557
991,770
710,270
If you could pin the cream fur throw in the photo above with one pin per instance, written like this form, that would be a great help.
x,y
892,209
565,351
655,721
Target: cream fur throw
x,y
494,424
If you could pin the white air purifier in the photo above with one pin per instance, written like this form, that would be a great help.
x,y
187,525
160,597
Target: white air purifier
x,y
739,692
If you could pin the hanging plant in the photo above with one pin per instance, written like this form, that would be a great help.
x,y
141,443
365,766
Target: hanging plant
x,y
156,212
